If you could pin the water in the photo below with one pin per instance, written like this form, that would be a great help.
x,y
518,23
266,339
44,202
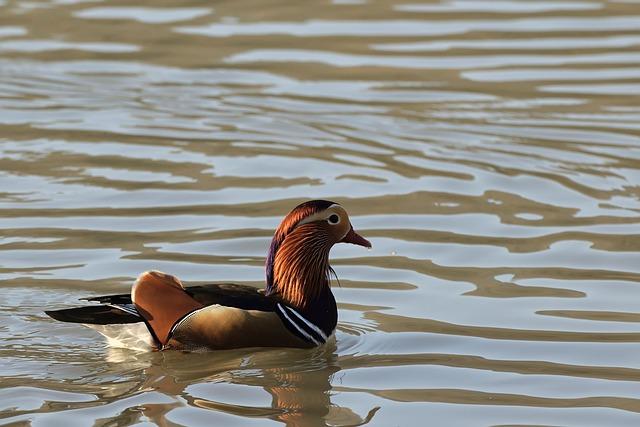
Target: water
x,y
490,150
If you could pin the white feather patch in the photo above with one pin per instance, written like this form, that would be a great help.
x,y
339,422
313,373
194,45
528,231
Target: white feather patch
x,y
134,336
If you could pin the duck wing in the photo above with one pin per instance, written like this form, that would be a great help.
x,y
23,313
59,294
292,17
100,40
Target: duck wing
x,y
228,294
176,319
119,308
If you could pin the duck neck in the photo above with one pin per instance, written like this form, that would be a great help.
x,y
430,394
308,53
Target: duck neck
x,y
300,275
301,267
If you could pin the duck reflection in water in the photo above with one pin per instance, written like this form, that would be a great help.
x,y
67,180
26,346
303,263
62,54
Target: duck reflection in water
x,y
298,381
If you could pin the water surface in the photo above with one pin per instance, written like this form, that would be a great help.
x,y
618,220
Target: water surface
x,y
490,150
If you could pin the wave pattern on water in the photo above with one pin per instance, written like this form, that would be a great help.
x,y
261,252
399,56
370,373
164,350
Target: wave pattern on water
x,y
490,150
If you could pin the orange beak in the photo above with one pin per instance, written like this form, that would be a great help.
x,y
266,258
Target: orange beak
x,y
356,239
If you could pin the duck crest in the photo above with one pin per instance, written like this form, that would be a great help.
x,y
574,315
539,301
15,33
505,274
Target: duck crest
x,y
297,263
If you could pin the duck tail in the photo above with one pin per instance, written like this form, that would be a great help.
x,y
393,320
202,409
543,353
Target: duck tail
x,y
97,315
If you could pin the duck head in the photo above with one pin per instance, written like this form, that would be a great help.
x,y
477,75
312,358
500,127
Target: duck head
x,y
298,260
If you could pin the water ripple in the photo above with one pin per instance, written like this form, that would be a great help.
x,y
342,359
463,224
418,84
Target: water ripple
x,y
488,149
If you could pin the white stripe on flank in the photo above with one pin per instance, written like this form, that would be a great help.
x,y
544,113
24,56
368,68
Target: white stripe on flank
x,y
302,331
309,324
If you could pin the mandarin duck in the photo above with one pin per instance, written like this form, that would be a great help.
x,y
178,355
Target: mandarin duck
x,y
296,308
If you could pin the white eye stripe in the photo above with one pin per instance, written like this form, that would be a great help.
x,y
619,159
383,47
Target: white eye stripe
x,y
320,216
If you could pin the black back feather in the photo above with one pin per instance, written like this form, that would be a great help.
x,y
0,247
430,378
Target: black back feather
x,y
94,315
227,294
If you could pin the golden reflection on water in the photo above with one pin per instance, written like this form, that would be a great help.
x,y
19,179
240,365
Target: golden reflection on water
x,y
488,149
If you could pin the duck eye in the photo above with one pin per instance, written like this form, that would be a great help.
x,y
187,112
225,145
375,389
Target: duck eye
x,y
334,219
